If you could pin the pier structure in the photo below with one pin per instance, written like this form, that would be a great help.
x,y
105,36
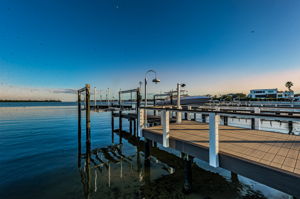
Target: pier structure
x,y
270,158
267,157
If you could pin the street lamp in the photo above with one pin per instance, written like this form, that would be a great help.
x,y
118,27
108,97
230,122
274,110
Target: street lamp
x,y
155,80
178,118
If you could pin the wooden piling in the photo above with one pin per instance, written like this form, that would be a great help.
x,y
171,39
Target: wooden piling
x,y
147,152
138,104
187,173
290,125
185,116
234,177
79,129
120,126
225,119
252,123
134,128
130,126
203,118
112,126
88,123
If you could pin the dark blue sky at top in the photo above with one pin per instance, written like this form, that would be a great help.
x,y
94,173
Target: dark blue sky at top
x,y
112,43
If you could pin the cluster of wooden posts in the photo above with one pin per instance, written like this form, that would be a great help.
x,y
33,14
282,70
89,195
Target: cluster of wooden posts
x,y
86,92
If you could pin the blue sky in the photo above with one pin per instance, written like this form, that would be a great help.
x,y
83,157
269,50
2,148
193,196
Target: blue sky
x,y
213,46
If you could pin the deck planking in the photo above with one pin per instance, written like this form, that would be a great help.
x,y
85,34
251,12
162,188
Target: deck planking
x,y
270,158
274,150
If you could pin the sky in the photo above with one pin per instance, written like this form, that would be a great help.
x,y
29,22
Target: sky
x,y
50,48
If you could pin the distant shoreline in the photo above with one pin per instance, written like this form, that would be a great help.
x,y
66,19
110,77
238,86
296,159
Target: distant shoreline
x,y
30,101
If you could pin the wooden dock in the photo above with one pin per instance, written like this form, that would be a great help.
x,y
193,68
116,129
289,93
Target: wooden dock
x,y
269,158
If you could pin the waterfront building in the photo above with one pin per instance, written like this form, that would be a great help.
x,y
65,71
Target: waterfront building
x,y
270,93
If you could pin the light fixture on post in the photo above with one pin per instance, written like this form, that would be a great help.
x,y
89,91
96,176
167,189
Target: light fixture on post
x,y
155,80
179,114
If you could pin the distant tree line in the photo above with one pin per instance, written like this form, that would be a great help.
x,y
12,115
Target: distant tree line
x,y
30,100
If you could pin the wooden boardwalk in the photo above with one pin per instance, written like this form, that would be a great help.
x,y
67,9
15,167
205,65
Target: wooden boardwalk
x,y
267,157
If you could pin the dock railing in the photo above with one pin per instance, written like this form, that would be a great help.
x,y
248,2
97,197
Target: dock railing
x,y
214,122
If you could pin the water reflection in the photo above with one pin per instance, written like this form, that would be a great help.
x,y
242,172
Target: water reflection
x,y
113,172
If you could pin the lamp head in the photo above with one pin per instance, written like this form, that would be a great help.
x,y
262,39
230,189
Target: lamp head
x,y
183,85
155,80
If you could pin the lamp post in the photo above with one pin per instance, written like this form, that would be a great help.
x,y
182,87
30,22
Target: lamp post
x,y
155,80
179,118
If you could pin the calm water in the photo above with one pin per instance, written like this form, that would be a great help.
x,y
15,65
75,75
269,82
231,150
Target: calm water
x,y
39,159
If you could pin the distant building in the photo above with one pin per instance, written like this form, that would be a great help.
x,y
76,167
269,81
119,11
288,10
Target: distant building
x,y
270,93
297,97
285,94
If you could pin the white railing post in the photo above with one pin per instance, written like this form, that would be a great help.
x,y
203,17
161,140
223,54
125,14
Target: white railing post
x,y
141,121
257,120
189,114
214,120
165,117
178,117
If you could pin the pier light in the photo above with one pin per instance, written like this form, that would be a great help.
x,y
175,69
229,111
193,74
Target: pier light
x,y
178,114
155,80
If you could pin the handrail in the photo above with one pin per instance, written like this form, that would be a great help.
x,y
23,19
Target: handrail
x,y
231,114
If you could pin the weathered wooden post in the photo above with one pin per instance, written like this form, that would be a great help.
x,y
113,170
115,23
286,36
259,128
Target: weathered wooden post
x,y
203,118
112,126
187,172
290,125
147,152
138,113
234,177
134,127
195,117
252,123
120,125
165,125
79,129
214,120
130,125
120,118
225,120
88,123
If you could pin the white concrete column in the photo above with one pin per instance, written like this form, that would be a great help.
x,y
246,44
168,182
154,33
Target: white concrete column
x,y
141,121
189,114
257,120
214,139
178,117
165,121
